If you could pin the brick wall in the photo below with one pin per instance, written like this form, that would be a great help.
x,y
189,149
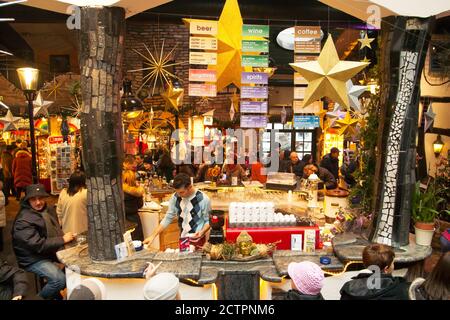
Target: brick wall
x,y
172,34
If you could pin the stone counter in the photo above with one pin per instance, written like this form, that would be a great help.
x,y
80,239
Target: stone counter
x,y
349,246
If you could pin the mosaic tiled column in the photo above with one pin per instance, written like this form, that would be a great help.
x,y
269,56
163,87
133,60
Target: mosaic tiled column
x,y
408,49
101,52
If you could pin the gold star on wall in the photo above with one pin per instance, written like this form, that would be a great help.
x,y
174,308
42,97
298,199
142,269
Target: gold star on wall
x,y
327,75
348,125
52,89
173,97
157,65
365,42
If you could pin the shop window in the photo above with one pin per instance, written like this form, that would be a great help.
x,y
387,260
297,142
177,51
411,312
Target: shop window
x,y
59,64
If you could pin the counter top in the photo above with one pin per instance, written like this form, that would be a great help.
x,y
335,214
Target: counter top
x,y
349,246
192,266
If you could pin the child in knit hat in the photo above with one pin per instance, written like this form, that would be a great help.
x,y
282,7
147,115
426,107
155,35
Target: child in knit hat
x,y
306,280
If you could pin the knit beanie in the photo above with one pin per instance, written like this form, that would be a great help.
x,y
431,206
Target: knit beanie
x,y
163,286
89,289
307,277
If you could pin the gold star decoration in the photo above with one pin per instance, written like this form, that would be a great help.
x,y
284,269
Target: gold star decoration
x,y
40,106
365,59
327,75
173,97
348,125
229,38
204,101
76,108
322,115
365,42
268,70
10,122
53,89
157,65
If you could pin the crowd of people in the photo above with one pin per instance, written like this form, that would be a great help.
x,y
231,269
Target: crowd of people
x,y
39,230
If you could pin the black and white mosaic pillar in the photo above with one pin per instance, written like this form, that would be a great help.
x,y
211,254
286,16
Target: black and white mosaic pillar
x,y
407,55
100,54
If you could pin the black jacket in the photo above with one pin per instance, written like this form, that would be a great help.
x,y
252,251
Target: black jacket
x,y
297,295
390,288
13,281
132,204
29,237
331,164
288,166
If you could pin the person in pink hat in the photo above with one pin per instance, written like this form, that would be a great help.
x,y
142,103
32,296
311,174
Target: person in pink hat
x,y
306,280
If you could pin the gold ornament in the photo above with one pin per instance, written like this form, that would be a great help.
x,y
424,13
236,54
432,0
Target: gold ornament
x,y
365,59
53,89
173,97
245,243
365,42
157,65
327,75
348,125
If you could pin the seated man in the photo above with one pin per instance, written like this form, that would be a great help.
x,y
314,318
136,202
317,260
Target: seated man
x,y
191,206
13,282
36,237
379,284
323,174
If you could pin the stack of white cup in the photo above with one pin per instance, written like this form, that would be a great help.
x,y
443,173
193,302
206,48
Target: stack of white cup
x,y
257,214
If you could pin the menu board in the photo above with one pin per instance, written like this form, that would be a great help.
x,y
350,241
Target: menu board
x,y
306,122
254,92
253,121
203,47
254,106
307,39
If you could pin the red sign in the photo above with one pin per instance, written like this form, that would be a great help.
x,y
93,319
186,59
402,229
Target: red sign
x,y
58,139
202,75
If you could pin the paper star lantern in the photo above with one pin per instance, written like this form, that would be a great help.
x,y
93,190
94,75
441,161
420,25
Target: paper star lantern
x,y
229,38
348,125
173,97
365,42
9,121
353,95
232,112
283,115
157,64
53,88
429,118
327,75
41,106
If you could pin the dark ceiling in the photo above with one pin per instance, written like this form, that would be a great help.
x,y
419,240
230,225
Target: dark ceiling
x,y
257,10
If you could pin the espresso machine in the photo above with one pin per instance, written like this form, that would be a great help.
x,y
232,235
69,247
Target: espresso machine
x,y
216,221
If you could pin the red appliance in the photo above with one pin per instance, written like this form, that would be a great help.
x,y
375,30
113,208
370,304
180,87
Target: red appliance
x,y
273,234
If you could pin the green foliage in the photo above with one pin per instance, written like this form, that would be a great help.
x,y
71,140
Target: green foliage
x,y
368,155
424,204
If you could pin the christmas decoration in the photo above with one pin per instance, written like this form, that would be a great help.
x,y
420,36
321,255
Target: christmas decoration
x,y
9,121
41,106
327,76
348,125
365,42
173,97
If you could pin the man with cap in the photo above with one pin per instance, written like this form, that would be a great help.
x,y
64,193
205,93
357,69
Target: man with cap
x,y
36,237
331,162
89,289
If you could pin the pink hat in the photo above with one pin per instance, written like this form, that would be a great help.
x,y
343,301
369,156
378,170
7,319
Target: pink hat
x,y
307,277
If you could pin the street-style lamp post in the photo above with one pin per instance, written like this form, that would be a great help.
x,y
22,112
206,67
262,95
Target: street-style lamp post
x,y
28,81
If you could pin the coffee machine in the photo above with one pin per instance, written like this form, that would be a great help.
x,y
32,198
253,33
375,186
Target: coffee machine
x,y
216,221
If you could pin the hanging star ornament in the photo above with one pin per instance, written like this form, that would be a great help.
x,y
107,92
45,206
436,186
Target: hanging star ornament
x,y
335,115
327,75
365,59
348,125
173,97
429,118
365,42
283,115
322,113
53,89
235,101
232,112
76,108
353,95
9,121
41,106
157,65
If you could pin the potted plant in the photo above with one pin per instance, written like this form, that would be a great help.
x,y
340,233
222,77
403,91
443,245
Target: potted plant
x,y
424,213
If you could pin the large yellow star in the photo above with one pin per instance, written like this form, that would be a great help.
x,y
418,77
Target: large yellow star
x,y
365,42
348,124
327,75
173,97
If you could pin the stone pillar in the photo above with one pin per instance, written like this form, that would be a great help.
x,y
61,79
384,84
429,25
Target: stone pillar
x,y
100,54
407,48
